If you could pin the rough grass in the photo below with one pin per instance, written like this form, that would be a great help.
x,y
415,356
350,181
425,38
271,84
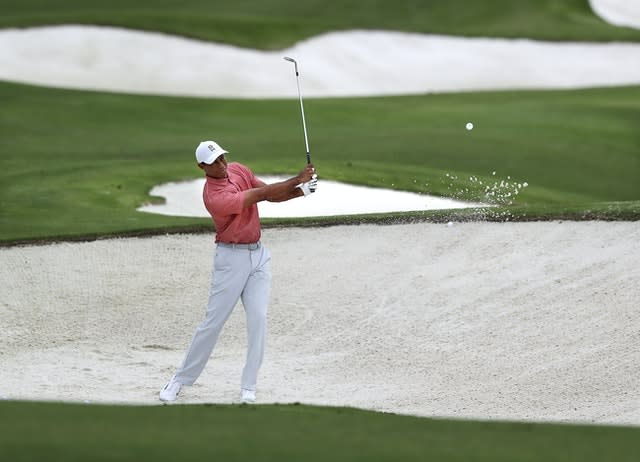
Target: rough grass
x,y
274,24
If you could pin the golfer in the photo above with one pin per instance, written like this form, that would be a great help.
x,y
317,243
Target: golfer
x,y
241,266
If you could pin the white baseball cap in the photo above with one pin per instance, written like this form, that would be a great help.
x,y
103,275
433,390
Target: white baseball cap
x,y
208,151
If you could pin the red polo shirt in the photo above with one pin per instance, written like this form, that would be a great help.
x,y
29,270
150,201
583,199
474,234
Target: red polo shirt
x,y
224,199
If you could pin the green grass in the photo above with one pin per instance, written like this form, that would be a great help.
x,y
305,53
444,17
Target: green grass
x,y
277,24
79,163
68,432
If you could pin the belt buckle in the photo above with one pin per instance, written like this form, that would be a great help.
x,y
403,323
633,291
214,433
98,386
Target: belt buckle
x,y
254,246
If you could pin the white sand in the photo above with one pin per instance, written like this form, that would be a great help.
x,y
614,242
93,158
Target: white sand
x,y
351,63
184,199
533,321
618,12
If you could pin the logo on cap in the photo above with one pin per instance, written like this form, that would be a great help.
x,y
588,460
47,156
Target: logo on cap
x,y
211,148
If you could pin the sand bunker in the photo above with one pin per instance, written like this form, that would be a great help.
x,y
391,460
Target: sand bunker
x,y
346,63
350,63
184,199
534,321
618,12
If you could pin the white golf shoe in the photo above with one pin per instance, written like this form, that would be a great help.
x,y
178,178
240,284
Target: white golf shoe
x,y
170,391
247,396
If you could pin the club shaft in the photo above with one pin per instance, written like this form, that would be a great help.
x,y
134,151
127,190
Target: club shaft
x,y
304,122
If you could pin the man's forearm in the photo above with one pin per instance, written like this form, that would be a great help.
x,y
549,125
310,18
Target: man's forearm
x,y
295,192
276,192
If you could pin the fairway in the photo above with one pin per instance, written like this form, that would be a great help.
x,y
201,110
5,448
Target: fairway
x,y
577,150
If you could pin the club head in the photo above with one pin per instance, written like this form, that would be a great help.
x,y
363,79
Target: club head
x,y
294,63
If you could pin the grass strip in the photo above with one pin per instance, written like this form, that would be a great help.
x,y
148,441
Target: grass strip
x,y
77,432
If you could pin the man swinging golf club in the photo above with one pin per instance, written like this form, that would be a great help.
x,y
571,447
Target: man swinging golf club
x,y
241,266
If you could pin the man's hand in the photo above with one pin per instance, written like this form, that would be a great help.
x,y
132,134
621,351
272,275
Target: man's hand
x,y
308,180
310,186
306,174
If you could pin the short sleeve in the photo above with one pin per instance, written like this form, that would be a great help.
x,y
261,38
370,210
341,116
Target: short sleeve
x,y
224,203
248,175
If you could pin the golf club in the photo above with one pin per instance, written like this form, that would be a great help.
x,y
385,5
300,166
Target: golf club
x,y
304,124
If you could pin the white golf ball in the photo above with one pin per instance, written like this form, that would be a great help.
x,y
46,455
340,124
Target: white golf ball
x,y
450,224
469,126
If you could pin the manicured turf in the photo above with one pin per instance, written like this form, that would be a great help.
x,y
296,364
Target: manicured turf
x,y
276,24
79,163
67,432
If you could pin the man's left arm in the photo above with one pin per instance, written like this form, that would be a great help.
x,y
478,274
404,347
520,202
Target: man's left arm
x,y
291,194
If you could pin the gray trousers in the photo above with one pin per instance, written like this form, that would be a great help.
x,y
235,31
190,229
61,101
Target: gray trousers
x,y
238,273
